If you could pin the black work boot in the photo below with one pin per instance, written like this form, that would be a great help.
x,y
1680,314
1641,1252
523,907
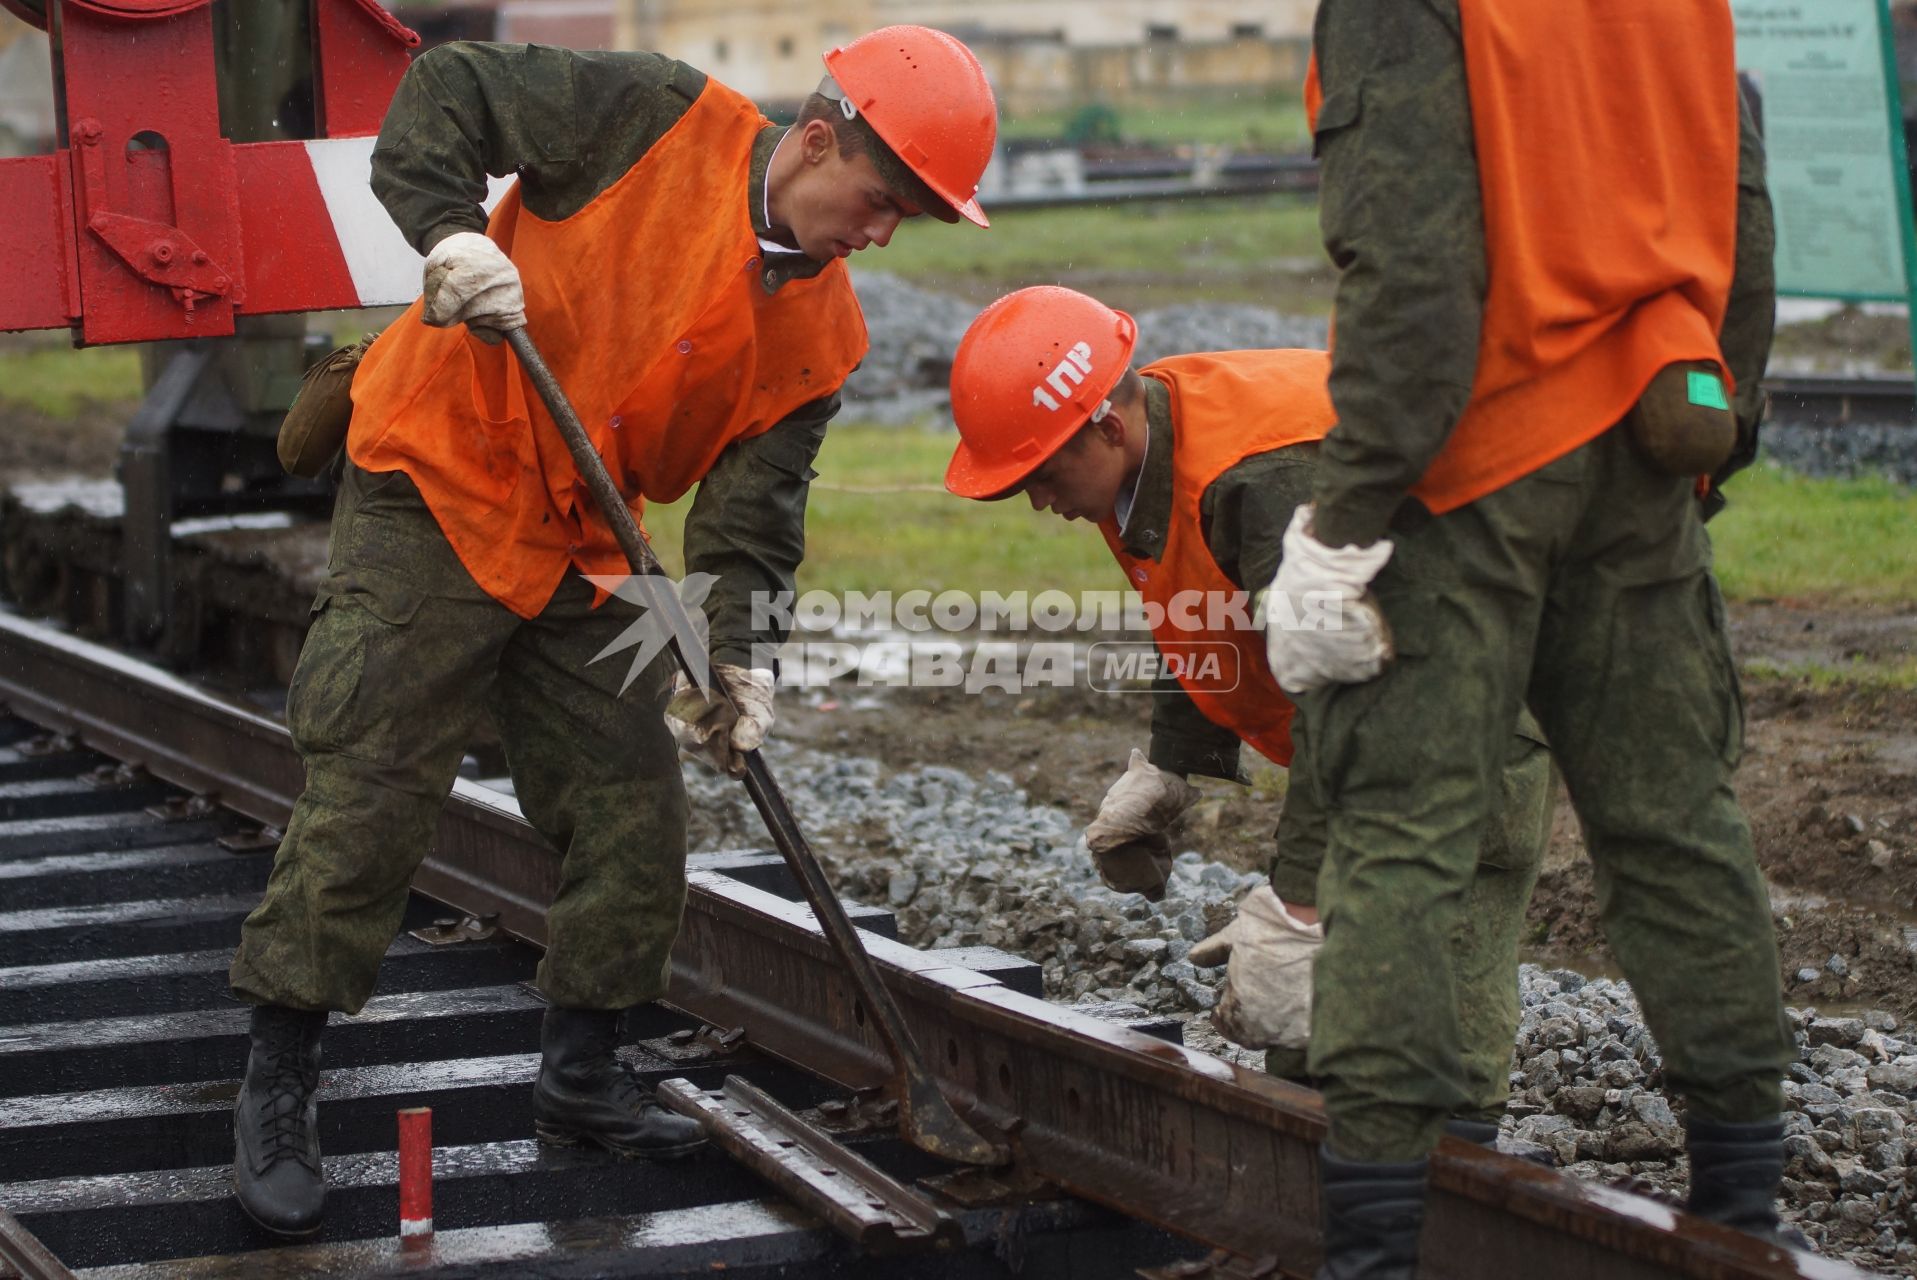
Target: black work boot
x,y
1481,1133
1736,1171
276,1154
584,1093
1373,1213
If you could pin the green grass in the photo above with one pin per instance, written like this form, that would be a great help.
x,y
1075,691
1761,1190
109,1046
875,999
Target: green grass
x,y
1822,677
1784,536
911,533
1787,536
1273,121
59,382
1145,235
1254,248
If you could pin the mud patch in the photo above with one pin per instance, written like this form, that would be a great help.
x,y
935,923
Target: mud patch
x,y
35,445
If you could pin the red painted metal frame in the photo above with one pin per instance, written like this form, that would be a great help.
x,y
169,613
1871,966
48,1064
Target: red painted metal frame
x,y
355,66
149,224
33,17
36,258
283,271
143,212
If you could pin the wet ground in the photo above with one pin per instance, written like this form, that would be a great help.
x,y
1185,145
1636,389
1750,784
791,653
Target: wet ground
x,y
36,446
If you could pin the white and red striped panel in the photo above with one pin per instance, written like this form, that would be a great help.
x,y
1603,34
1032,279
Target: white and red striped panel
x,y
315,237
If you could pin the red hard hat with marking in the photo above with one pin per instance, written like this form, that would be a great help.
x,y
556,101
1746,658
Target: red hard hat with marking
x,y
1034,367
926,96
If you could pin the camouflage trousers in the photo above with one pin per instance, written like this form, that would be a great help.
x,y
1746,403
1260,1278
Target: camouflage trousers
x,y
1489,930
405,653
1584,590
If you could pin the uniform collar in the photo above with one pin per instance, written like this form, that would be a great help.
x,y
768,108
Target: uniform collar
x,y
1143,532
783,262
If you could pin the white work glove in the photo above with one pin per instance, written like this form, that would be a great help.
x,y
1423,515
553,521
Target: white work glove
x,y
708,730
1127,839
1340,635
471,281
1267,998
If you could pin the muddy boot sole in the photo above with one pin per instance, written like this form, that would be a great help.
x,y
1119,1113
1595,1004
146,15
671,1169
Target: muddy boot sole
x,y
558,1135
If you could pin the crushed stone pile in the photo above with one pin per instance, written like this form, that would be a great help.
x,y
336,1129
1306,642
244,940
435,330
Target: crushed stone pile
x,y
1218,326
1587,1096
1854,449
914,332
970,861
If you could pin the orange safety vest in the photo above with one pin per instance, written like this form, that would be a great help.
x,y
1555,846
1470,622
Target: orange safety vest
x,y
1225,406
648,307
1606,140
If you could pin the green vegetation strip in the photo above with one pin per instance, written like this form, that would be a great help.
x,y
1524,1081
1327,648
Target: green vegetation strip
x,y
879,520
1823,677
1273,121
1787,536
1219,250
59,382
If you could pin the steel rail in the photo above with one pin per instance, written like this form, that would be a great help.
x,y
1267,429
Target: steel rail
x,y
22,1254
925,1117
1824,400
1218,1153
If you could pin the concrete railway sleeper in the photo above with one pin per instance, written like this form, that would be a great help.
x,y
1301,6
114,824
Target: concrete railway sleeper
x,y
115,1063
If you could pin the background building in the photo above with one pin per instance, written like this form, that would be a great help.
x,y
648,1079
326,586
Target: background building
x,y
1065,54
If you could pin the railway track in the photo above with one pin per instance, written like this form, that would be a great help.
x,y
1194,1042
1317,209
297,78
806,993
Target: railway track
x,y
118,1044
120,901
1825,401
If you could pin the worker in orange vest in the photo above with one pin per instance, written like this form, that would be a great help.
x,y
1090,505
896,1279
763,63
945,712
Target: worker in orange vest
x,y
680,262
1191,468
1554,306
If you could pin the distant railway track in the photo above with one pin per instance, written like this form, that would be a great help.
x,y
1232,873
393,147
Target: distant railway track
x,y
1830,401
1155,178
117,1044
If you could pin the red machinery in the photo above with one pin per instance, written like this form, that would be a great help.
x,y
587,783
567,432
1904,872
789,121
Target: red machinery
x,y
148,224
212,177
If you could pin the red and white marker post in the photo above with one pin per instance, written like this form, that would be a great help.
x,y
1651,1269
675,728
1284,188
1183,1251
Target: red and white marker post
x,y
416,1173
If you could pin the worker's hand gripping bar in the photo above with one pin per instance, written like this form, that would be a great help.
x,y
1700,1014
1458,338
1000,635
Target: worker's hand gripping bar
x,y
925,1118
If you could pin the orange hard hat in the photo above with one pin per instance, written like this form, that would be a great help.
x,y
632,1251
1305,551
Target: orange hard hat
x,y
927,98
1034,367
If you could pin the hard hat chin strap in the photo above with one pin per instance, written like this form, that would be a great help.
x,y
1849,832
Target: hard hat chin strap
x,y
829,88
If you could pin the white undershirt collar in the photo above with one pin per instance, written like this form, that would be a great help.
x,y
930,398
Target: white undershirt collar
x,y
1122,509
765,200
